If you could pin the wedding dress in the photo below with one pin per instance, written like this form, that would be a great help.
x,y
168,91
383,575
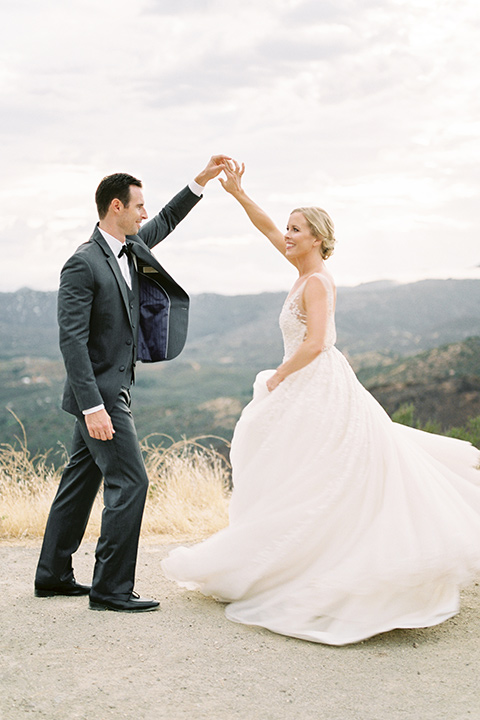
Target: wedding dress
x,y
343,524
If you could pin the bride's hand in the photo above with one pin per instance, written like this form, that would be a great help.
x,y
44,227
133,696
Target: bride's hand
x,y
273,382
233,182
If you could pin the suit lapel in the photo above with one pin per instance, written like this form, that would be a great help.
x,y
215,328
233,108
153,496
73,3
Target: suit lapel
x,y
115,268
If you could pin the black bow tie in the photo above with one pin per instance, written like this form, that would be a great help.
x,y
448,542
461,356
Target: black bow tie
x,y
127,249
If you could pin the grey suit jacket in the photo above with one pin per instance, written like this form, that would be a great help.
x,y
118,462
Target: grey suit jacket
x,y
99,323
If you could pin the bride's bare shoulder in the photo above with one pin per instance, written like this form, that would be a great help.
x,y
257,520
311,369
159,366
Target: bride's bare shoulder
x,y
325,278
323,282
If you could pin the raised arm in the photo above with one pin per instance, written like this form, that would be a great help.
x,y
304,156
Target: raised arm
x,y
233,185
157,229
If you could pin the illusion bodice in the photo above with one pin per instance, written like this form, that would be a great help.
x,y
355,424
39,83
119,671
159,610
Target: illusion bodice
x,y
293,322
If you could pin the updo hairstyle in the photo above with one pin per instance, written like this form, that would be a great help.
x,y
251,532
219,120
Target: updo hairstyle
x,y
321,226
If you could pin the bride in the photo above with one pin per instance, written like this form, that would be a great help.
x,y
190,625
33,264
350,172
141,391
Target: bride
x,y
343,524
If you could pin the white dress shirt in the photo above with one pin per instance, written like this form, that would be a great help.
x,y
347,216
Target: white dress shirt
x,y
115,246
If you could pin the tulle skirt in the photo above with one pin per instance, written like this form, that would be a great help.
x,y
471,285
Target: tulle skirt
x,y
343,524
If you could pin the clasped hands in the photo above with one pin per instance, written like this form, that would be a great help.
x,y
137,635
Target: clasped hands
x,y
233,172
215,165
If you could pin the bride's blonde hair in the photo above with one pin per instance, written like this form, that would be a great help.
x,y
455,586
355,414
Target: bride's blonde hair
x,y
321,226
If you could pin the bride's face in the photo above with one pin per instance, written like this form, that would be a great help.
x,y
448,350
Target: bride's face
x,y
299,239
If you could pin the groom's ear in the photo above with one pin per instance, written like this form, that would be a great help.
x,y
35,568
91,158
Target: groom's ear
x,y
116,205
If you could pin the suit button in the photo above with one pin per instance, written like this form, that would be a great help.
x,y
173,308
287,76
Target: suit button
x,y
129,342
121,368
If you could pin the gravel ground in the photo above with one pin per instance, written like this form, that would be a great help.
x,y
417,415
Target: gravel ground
x,y
59,660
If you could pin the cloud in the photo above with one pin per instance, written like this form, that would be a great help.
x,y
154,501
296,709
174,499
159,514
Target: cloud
x,y
178,7
370,109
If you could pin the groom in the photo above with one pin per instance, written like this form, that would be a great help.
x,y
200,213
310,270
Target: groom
x,y
116,304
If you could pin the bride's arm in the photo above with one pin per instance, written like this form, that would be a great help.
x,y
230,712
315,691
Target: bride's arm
x,y
315,300
233,185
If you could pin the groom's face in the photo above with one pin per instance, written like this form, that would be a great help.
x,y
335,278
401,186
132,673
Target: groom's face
x,y
133,214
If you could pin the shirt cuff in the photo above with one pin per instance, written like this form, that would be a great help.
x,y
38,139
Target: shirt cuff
x,y
196,188
93,409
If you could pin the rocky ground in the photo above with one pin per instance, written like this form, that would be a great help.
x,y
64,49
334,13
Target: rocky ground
x,y
61,661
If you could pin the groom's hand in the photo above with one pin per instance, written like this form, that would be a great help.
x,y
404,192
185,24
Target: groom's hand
x,y
99,425
215,166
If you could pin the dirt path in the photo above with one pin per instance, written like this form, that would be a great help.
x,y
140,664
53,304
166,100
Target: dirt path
x,y
59,660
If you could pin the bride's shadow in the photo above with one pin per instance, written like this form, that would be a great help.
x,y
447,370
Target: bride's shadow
x,y
449,633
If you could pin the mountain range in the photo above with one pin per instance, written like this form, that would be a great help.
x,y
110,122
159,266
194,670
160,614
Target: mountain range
x,y
408,343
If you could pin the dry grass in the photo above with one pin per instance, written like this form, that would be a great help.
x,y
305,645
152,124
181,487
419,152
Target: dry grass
x,y
188,493
189,489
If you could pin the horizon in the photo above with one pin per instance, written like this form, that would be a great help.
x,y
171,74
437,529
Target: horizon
x,y
378,282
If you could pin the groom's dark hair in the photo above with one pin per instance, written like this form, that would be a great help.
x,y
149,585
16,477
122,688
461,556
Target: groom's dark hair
x,y
114,186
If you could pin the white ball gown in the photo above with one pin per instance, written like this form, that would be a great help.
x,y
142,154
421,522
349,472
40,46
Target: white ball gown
x,y
343,524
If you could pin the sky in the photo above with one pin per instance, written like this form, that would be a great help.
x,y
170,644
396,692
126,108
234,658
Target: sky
x,y
367,108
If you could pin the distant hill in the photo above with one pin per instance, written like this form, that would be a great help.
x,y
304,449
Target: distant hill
x,y
376,317
404,319
409,343
443,384
28,324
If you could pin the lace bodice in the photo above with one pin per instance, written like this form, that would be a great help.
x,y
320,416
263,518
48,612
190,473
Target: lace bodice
x,y
293,320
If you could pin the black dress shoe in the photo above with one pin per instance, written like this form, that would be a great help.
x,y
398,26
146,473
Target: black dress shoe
x,y
135,603
72,588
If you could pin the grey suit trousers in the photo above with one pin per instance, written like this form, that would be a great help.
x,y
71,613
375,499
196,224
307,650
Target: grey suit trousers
x,y
119,461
